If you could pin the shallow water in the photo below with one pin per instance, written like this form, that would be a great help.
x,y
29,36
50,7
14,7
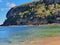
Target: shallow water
x,y
11,34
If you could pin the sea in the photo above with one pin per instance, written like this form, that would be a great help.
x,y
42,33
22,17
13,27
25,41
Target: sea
x,y
11,34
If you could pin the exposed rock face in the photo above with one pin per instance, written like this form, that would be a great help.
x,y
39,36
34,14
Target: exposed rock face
x,y
16,11
27,14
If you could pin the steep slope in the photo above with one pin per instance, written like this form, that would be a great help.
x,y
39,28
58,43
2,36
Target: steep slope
x,y
34,13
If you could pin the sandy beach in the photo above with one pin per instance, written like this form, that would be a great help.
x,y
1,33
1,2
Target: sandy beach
x,y
44,41
39,41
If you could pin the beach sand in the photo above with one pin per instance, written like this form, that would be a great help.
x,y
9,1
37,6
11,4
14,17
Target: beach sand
x,y
38,41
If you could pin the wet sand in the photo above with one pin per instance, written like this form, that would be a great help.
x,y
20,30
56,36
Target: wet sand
x,y
38,41
44,41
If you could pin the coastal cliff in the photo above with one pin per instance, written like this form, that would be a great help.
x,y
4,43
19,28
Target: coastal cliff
x,y
34,13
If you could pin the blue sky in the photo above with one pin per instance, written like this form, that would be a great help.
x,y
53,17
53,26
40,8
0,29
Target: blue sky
x,y
5,5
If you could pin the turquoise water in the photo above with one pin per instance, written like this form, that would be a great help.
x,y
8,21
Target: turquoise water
x,y
12,34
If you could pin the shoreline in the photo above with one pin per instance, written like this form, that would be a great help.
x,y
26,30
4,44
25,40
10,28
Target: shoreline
x,y
38,41
45,41
32,25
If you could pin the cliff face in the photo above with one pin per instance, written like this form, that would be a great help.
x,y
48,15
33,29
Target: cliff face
x,y
40,12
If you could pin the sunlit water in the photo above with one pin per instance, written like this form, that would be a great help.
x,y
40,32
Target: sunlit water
x,y
10,34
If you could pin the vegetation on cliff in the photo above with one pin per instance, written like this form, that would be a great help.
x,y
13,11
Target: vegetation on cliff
x,y
35,13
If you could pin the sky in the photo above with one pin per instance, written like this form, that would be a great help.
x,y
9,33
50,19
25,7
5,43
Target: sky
x,y
6,5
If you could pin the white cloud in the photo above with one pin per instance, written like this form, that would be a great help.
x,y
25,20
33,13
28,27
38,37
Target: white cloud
x,y
0,0
11,4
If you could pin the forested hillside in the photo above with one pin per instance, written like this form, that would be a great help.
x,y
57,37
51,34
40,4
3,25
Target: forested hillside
x,y
34,13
